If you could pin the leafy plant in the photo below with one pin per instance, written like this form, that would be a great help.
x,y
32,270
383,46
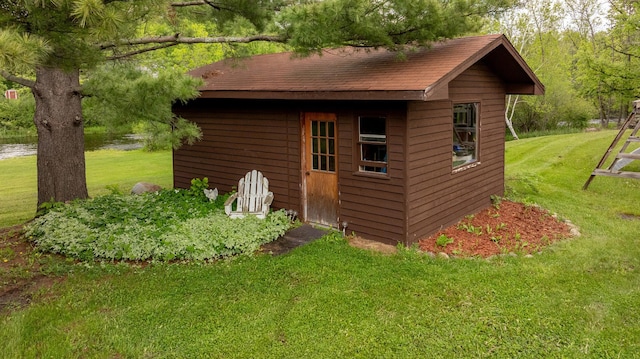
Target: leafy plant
x,y
114,189
198,186
167,225
522,245
495,201
477,230
443,240
458,251
50,205
488,229
333,237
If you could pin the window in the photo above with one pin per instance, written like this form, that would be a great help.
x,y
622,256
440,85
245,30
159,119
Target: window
x,y
323,146
465,133
372,142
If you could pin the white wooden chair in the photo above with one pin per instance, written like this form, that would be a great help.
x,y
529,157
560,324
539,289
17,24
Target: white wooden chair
x,y
253,197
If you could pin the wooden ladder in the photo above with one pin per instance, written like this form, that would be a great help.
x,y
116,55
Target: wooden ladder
x,y
623,157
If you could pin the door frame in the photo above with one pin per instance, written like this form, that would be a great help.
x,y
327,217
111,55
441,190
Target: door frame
x,y
305,156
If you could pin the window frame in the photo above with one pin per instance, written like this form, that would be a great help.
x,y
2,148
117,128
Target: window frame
x,y
325,139
458,150
362,164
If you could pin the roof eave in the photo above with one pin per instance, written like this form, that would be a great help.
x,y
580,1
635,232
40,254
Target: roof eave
x,y
437,91
405,95
525,89
538,85
534,87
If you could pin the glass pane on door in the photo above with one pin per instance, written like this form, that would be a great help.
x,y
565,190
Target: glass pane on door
x,y
323,151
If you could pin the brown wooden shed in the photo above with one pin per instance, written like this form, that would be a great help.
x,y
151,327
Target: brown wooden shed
x,y
395,148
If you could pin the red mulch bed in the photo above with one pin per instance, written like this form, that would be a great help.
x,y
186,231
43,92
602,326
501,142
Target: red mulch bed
x,y
507,227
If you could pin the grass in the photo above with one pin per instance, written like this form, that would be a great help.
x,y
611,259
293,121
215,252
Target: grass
x,y
577,299
557,131
20,133
31,131
18,190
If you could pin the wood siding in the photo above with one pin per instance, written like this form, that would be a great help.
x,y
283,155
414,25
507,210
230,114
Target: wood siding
x,y
437,197
240,135
418,195
373,205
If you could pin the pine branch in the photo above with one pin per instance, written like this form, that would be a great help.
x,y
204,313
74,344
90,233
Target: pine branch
x,y
217,6
19,80
177,39
140,51
195,3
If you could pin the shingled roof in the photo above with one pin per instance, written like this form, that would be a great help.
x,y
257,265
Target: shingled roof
x,y
349,73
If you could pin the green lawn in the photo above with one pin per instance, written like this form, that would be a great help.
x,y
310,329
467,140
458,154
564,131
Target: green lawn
x,y
579,298
18,191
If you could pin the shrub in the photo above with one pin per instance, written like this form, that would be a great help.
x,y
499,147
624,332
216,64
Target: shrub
x,y
168,225
17,114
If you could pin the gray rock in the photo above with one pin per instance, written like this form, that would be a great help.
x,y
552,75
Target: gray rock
x,y
142,187
573,229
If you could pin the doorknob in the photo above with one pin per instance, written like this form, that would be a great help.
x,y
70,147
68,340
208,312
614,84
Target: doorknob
x,y
307,173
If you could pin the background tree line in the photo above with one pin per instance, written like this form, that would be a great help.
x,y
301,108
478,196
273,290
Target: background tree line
x,y
125,61
107,60
118,103
585,51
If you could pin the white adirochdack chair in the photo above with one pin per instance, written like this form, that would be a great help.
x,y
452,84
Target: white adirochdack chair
x,y
253,197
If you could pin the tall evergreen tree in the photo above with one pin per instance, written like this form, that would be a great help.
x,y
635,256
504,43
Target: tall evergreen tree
x,y
54,41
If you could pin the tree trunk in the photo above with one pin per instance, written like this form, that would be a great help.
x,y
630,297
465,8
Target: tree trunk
x,y
508,117
58,119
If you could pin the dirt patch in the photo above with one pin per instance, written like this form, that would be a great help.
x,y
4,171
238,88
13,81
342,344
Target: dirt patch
x,y
292,239
629,216
13,248
368,244
19,294
21,276
506,227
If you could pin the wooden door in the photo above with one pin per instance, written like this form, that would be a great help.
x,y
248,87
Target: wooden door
x,y
321,168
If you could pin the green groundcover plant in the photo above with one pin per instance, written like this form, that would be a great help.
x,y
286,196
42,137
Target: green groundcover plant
x,y
173,224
